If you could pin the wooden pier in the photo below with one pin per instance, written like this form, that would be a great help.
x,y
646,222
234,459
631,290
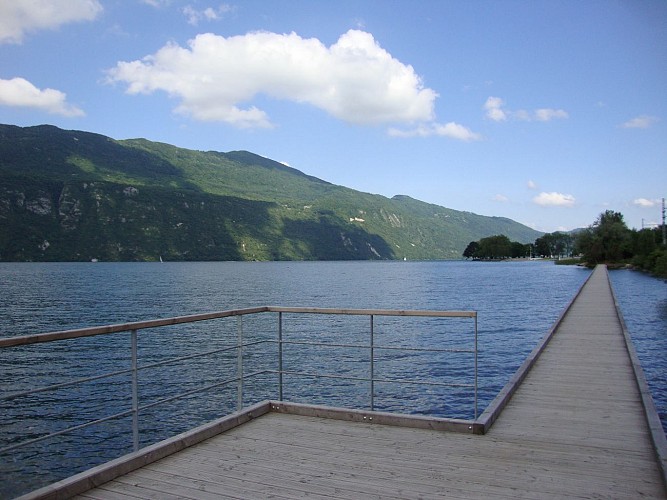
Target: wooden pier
x,y
573,424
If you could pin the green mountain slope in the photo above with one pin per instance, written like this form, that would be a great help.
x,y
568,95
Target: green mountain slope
x,y
72,195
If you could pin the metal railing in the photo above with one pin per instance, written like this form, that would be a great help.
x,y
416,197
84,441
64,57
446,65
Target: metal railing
x,y
240,346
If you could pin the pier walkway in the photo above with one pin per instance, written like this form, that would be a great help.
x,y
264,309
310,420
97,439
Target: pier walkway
x,y
574,428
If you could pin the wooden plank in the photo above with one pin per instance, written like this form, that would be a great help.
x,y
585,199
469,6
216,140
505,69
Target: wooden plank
x,y
181,486
383,418
502,480
340,483
302,480
491,472
425,446
101,494
142,491
434,451
413,470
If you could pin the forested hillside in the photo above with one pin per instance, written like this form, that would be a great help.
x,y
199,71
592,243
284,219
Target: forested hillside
x,y
77,196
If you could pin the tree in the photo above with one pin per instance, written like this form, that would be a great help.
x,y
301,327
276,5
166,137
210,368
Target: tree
x,y
519,250
563,244
543,246
471,250
495,247
607,240
644,241
556,244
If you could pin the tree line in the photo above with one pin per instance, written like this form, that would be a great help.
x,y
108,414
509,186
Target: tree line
x,y
608,240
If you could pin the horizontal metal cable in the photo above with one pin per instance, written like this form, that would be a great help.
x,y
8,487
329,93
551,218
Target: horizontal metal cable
x,y
66,431
197,355
121,372
369,346
64,384
366,379
201,389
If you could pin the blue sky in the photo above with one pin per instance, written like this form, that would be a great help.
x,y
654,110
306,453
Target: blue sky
x,y
546,112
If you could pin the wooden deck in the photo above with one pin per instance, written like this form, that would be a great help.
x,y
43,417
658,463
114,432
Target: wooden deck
x,y
575,428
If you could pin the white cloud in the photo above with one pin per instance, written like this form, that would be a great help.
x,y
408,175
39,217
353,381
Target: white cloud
x,y
359,23
548,114
554,200
17,17
354,80
493,107
156,3
521,115
455,131
500,198
495,111
19,92
209,14
645,203
531,184
643,121
452,130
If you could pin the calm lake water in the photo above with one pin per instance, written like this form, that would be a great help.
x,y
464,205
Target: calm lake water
x,y
643,302
517,302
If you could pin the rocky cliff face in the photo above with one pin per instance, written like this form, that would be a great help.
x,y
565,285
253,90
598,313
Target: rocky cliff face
x,y
83,221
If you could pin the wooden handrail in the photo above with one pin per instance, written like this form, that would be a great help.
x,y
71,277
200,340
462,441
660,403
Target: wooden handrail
x,y
124,327
142,325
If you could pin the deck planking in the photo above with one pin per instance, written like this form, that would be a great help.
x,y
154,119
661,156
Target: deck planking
x,y
575,428
296,457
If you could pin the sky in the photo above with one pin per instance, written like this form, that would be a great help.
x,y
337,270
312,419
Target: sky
x,y
545,112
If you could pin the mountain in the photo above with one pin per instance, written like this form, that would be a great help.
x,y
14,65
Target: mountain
x,y
78,196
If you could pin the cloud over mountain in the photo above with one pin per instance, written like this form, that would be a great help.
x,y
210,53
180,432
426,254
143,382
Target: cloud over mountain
x,y
19,92
554,200
216,78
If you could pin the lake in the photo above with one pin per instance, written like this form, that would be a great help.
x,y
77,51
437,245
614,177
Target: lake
x,y
643,302
517,302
